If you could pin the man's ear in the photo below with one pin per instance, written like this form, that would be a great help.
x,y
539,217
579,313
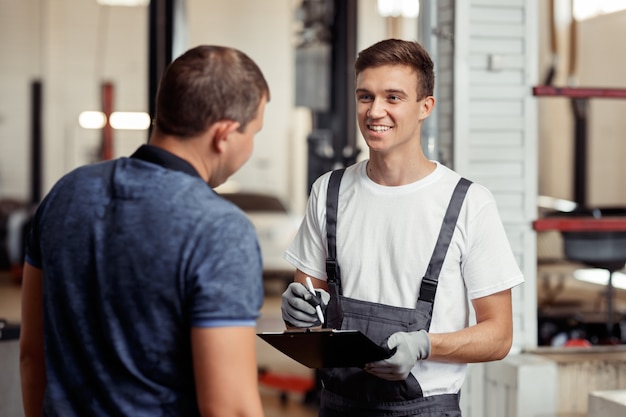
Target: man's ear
x,y
220,131
427,107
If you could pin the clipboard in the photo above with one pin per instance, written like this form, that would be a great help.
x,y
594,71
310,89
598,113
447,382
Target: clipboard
x,y
327,348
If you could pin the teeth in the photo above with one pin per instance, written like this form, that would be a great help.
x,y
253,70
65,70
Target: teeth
x,y
380,128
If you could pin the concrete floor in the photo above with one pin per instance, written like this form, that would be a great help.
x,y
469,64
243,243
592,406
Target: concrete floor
x,y
279,370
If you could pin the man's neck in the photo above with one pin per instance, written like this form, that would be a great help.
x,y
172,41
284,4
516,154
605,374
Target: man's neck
x,y
396,170
186,149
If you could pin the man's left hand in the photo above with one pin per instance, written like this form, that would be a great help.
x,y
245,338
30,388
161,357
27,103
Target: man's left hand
x,y
410,347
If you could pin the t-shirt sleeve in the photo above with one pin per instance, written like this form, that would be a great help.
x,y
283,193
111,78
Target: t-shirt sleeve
x,y
307,252
490,266
226,285
32,250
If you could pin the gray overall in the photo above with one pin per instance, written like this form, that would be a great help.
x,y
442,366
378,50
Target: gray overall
x,y
353,392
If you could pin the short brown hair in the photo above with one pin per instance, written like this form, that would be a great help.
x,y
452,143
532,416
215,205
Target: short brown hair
x,y
205,85
400,52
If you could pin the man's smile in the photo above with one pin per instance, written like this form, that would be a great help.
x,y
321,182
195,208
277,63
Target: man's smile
x,y
378,128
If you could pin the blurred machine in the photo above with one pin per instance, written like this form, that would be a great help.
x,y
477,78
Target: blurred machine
x,y
325,51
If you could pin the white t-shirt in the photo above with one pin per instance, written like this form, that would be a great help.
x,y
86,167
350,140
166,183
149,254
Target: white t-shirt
x,y
385,238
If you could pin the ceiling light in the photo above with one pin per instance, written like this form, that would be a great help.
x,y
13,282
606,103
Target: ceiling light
x,y
120,120
126,120
396,8
92,120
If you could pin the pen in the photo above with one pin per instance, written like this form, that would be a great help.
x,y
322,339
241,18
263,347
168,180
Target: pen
x,y
309,285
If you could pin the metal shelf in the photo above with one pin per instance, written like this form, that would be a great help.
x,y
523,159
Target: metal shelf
x,y
581,224
579,92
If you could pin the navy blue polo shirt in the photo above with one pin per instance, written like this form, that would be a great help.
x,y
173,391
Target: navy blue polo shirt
x,y
134,253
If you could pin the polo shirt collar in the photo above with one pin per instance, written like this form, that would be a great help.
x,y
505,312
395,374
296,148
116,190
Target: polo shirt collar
x,y
168,160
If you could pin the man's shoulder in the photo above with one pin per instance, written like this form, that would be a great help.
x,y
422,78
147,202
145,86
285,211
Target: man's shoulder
x,y
476,190
84,172
82,181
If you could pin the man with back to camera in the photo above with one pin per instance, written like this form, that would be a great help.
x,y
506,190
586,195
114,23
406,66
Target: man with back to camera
x,y
141,285
388,264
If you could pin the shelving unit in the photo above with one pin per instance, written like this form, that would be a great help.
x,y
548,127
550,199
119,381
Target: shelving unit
x,y
594,236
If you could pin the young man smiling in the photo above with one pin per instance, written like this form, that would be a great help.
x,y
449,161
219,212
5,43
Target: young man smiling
x,y
408,242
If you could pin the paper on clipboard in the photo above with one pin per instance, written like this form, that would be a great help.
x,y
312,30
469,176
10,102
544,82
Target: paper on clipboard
x,y
326,348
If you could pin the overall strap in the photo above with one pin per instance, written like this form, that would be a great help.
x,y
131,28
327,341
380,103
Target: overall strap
x,y
428,288
332,204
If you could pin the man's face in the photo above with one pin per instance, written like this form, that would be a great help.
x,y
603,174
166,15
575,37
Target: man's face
x,y
388,110
241,145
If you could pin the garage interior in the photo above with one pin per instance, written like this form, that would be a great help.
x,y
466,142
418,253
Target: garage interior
x,y
579,92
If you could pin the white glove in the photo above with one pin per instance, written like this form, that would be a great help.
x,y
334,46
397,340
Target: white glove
x,y
298,305
410,348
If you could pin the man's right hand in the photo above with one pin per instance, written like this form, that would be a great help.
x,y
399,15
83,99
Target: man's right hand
x,y
297,308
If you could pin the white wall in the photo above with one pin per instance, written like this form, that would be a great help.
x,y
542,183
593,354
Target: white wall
x,y
21,62
75,45
72,46
263,30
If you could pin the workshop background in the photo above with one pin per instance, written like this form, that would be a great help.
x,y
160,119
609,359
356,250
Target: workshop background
x,y
530,103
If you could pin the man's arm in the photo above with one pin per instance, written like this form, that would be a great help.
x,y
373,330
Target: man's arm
x,y
317,283
32,360
488,340
226,373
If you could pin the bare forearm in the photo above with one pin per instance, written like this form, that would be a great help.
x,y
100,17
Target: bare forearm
x,y
488,340
32,356
244,408
479,343
33,382
226,372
